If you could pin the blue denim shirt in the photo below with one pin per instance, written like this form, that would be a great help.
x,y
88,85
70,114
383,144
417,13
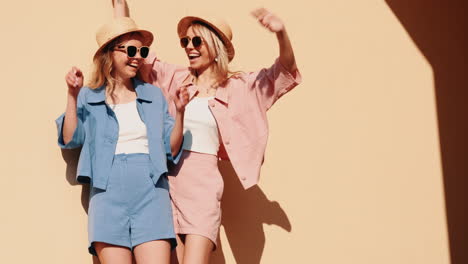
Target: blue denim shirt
x,y
97,132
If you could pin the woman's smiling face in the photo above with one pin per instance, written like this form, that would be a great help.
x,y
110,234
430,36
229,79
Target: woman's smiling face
x,y
125,67
199,57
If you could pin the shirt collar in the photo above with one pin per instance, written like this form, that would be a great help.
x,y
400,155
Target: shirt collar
x,y
99,95
143,90
221,91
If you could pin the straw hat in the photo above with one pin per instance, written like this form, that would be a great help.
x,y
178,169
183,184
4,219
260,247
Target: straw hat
x,y
116,28
220,26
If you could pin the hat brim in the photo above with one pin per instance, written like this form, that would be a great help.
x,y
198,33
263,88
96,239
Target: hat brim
x,y
187,21
147,36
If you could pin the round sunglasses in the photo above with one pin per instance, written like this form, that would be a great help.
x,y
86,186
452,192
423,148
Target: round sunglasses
x,y
196,41
132,50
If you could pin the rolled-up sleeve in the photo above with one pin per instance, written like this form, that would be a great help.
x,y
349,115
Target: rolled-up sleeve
x,y
79,133
272,83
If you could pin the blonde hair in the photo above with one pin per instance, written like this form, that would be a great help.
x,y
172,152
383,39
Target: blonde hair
x,y
216,50
103,65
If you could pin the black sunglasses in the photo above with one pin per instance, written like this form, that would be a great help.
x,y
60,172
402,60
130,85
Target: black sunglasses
x,y
132,51
196,41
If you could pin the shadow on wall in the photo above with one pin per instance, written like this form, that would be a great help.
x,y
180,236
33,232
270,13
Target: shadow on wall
x,y
70,156
437,29
243,214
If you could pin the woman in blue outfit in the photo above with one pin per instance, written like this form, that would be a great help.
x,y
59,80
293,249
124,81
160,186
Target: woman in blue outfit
x,y
127,137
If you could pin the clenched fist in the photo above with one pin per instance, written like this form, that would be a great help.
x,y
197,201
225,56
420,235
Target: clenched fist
x,y
74,80
181,99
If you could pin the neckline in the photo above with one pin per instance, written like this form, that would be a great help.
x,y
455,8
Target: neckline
x,y
117,105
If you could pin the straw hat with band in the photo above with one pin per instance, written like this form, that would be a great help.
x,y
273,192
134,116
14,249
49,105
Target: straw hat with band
x,y
116,28
219,26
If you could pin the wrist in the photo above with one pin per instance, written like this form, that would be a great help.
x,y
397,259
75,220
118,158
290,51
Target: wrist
x,y
72,98
72,92
180,112
281,33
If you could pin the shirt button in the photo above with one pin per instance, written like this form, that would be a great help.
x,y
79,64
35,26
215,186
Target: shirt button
x,y
212,103
243,178
226,142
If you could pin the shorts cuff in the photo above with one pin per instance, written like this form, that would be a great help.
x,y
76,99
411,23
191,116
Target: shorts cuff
x,y
93,252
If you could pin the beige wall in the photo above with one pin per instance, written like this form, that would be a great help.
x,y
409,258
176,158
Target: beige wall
x,y
353,167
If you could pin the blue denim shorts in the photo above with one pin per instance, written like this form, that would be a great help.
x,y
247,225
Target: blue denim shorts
x,y
132,210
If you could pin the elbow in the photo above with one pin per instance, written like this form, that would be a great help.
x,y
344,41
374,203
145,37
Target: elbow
x,y
175,150
292,68
66,139
288,63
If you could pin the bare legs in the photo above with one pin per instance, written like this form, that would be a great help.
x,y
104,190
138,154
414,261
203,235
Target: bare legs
x,y
108,253
147,253
192,249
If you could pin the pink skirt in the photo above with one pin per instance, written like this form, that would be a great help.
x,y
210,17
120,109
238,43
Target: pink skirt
x,y
196,187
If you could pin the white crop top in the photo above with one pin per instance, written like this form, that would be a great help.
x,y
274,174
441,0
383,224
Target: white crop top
x,y
132,131
200,128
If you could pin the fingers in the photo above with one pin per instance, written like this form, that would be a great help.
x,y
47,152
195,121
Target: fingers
x,y
77,71
184,95
70,80
176,98
181,98
267,19
259,13
74,78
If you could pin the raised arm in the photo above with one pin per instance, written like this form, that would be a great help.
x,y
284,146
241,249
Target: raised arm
x,y
120,8
275,25
180,100
74,80
174,128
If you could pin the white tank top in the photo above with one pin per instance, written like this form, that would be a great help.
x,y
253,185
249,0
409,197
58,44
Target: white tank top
x,y
132,131
200,128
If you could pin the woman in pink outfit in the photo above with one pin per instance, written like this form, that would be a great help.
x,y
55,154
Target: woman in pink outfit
x,y
225,119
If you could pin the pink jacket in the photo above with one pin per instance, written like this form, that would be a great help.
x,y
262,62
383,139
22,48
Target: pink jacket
x,y
239,109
